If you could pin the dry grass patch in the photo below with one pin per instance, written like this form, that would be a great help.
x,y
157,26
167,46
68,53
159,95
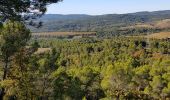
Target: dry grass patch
x,y
161,35
43,50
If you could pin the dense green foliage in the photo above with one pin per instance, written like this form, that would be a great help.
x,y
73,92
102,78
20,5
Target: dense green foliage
x,y
82,69
14,38
131,31
117,68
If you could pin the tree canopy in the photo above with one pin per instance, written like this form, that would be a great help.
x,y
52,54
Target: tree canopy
x,y
23,9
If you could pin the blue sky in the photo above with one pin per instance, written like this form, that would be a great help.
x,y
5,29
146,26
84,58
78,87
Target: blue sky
x,y
98,7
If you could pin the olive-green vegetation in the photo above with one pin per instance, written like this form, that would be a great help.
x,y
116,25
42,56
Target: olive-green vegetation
x,y
82,69
117,68
16,65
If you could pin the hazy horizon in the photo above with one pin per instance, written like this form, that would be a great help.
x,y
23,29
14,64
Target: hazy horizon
x,y
101,7
106,13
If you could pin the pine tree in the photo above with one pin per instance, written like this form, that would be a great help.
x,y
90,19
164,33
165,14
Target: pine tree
x,y
14,36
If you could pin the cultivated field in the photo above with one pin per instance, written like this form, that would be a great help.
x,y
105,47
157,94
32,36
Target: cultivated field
x,y
160,35
58,34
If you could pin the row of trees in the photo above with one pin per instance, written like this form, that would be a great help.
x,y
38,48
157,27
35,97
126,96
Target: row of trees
x,y
102,33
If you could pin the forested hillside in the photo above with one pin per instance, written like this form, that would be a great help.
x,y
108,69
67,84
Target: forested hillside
x,y
108,22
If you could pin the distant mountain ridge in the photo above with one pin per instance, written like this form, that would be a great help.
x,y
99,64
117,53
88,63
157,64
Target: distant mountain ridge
x,y
64,17
108,22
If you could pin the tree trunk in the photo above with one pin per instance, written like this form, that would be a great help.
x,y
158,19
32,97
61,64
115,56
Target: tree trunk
x,y
5,70
2,92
